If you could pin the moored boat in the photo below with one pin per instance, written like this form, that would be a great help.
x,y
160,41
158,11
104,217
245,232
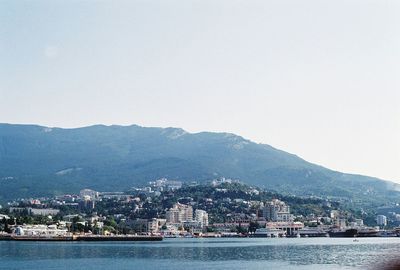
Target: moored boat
x,y
312,232
343,233
368,232
269,232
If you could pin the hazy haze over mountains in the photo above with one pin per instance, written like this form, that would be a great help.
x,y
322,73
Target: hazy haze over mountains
x,y
37,160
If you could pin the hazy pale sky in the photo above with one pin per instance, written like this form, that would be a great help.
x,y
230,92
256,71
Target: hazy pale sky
x,y
320,79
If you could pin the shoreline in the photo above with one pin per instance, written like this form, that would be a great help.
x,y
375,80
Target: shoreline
x,y
77,238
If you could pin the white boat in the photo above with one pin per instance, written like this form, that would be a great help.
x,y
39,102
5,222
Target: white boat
x,y
269,232
312,232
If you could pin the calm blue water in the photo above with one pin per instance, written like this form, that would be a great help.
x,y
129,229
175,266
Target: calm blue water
x,y
305,253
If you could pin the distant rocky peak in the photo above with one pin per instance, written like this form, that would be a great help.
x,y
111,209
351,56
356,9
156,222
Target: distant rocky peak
x,y
173,133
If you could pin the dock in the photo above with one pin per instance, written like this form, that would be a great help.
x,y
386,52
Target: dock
x,y
89,238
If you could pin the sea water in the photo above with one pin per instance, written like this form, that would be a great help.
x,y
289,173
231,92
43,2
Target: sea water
x,y
203,253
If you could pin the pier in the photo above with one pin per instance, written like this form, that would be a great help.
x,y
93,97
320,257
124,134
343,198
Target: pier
x,y
92,238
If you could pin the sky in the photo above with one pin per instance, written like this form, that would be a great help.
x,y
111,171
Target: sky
x,y
320,79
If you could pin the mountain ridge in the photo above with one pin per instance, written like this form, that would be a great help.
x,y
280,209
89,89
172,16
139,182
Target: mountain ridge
x,y
118,157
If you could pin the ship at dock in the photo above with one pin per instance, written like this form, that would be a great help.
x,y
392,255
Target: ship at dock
x,y
343,232
368,232
269,232
311,232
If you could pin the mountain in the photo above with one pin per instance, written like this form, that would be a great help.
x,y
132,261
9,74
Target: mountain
x,y
37,160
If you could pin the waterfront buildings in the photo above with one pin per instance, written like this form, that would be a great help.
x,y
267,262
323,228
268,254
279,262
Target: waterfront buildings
x,y
290,227
40,230
181,216
155,224
232,209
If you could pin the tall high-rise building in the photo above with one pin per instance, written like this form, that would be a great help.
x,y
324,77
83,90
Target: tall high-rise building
x,y
179,213
185,212
277,210
381,220
172,215
201,216
86,203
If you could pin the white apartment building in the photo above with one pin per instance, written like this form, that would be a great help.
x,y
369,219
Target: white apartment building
x,y
277,211
179,213
172,215
201,217
381,220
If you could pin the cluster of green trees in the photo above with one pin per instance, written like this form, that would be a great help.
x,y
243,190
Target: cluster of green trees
x,y
22,219
5,225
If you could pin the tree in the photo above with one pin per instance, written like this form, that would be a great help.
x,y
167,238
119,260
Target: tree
x,y
240,229
111,222
5,225
6,228
210,229
80,227
88,227
75,225
253,226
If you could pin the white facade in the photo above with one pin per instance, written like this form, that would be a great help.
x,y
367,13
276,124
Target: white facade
x,y
40,230
43,211
277,211
88,192
179,213
172,215
381,220
201,217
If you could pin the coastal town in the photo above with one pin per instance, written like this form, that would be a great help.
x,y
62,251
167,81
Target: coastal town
x,y
169,209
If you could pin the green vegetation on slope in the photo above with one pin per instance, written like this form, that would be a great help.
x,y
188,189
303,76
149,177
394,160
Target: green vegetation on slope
x,y
36,161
